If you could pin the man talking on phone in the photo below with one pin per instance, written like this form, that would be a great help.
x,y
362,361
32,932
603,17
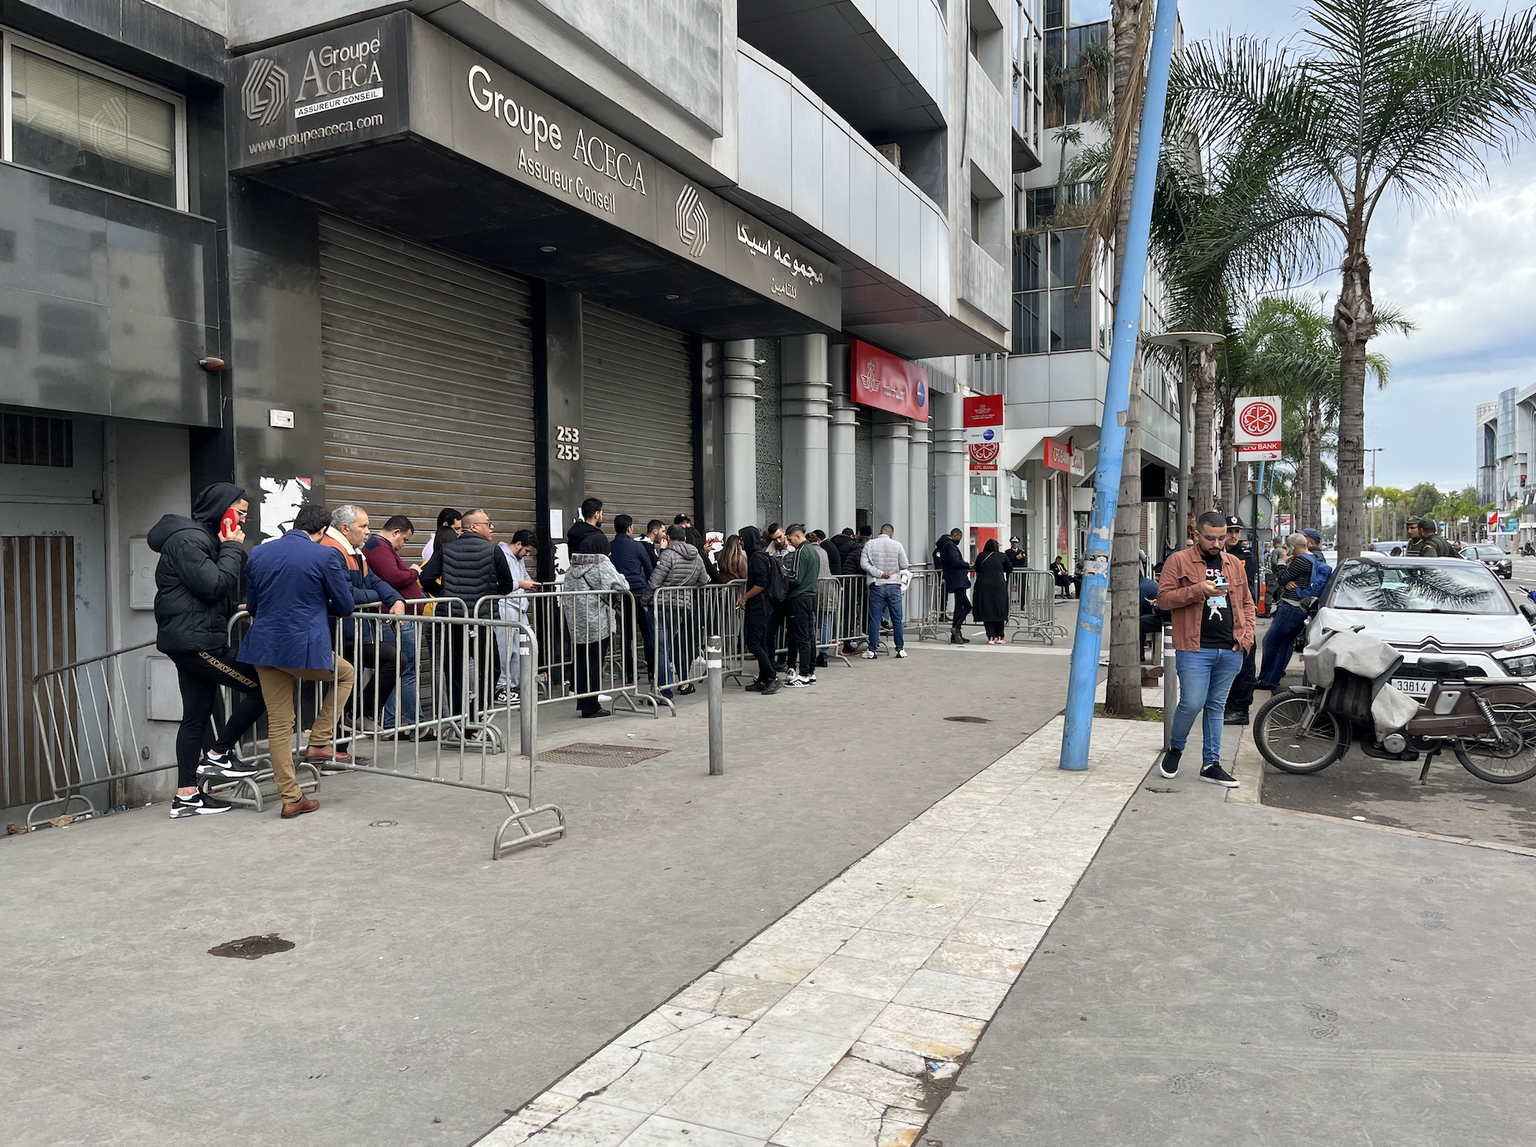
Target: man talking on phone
x,y
196,582
1206,588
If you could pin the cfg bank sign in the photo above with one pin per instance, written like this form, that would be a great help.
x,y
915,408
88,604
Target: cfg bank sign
x,y
396,78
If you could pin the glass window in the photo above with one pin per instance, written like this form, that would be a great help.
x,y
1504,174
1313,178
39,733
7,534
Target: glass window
x,y
1028,262
983,499
71,121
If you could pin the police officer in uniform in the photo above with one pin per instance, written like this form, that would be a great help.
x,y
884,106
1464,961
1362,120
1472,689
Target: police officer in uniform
x,y
1425,540
1241,696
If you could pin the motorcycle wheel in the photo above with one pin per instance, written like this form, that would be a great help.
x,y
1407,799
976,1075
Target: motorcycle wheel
x,y
1277,731
1513,759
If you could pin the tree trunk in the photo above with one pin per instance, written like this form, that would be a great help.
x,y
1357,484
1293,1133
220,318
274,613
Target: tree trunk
x,y
1301,495
1313,506
1228,458
1122,691
1202,483
1354,325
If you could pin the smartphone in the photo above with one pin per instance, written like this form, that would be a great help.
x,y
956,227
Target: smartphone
x,y
229,523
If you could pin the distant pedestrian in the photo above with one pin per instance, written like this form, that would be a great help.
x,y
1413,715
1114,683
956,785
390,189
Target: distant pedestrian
x,y
294,586
733,559
884,560
360,639
514,607
759,603
1015,554
633,559
828,594
591,523
992,570
802,607
196,580
450,524
714,543
1206,589
590,618
1062,578
957,583
1291,619
655,539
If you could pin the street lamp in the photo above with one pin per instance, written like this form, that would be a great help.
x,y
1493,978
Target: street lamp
x,y
1373,451
1185,339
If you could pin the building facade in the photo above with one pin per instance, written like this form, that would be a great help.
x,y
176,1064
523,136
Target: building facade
x,y
1505,436
502,255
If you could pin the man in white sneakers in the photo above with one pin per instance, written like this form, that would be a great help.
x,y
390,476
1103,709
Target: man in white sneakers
x,y
883,561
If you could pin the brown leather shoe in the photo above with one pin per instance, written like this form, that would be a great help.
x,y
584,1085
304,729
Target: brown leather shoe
x,y
327,753
299,808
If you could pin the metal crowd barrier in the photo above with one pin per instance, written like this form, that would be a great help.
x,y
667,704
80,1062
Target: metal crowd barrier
x,y
926,604
1035,592
681,619
86,726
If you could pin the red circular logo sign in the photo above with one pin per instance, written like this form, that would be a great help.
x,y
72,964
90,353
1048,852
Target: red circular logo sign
x,y
985,451
1258,419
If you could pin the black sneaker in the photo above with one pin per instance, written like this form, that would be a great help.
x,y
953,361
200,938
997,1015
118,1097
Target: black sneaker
x,y
198,804
755,687
1235,717
771,688
1217,775
226,768
1170,766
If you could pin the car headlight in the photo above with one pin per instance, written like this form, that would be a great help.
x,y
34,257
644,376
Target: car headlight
x,y
1520,642
1520,666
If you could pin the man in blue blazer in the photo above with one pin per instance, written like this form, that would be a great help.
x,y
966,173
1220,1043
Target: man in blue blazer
x,y
294,586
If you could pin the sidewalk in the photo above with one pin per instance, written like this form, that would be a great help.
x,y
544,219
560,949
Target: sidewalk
x,y
428,983
1231,973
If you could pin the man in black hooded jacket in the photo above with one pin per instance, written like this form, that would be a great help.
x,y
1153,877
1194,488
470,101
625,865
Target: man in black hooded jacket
x,y
201,559
760,610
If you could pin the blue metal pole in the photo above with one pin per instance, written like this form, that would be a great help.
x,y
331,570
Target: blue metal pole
x,y
1094,596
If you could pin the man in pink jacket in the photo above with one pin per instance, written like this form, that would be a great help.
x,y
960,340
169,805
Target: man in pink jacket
x,y
1206,588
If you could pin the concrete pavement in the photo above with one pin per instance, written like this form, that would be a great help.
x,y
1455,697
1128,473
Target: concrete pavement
x,y
429,983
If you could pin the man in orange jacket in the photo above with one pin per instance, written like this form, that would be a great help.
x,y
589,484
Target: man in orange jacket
x,y
1206,588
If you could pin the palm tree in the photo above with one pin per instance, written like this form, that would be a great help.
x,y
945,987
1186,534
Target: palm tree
x,y
1400,100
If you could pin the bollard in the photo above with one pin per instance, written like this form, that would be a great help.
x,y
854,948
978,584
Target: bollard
x,y
713,664
528,693
1170,686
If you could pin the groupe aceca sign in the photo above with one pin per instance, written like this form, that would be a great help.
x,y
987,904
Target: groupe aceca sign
x,y
419,82
880,379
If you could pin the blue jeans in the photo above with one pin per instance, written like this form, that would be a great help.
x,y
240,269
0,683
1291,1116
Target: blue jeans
x,y
404,641
1205,678
1280,642
885,599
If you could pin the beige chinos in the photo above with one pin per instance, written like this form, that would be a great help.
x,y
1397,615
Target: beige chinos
x,y
277,688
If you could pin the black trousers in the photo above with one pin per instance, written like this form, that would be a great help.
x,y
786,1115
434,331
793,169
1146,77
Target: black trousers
x,y
482,648
962,608
200,675
1241,695
590,656
995,628
802,628
758,624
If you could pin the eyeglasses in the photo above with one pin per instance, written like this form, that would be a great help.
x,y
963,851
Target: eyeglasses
x,y
1213,537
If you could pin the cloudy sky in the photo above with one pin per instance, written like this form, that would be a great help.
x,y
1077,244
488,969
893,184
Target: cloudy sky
x,y
1466,276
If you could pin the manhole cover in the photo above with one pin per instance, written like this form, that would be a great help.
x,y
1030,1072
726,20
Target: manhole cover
x,y
253,947
599,756
971,720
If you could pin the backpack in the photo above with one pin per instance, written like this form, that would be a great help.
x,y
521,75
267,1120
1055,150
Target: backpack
x,y
777,589
1321,572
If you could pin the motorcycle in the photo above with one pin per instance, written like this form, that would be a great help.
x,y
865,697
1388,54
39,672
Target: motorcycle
x,y
1488,723
1528,550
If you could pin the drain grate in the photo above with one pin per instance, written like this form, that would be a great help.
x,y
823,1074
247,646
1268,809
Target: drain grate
x,y
971,720
599,756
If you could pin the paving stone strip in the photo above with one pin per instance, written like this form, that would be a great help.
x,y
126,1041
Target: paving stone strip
x,y
847,1021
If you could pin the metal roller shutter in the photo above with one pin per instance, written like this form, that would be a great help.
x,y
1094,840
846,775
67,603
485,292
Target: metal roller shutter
x,y
637,415
428,362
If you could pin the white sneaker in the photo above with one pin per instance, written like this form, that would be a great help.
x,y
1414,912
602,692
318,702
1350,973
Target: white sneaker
x,y
869,655
901,653
797,682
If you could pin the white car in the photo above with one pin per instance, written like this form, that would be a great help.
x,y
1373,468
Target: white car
x,y
1435,607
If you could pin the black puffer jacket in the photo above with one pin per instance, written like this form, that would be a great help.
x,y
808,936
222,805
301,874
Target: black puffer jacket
x,y
470,568
198,575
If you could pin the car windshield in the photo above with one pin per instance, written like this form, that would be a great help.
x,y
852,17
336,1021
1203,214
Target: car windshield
x,y
1419,589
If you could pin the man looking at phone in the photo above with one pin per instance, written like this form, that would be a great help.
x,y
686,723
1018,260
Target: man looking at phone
x,y
201,558
1206,588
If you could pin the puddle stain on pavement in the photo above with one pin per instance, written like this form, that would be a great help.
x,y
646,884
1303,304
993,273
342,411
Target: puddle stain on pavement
x,y
253,947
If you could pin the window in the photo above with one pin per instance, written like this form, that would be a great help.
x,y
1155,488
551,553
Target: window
x,y
69,117
29,440
983,499
975,220
1049,314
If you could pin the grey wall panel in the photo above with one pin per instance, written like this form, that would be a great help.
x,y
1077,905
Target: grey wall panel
x,y
766,133
888,218
835,190
863,174
428,363
806,162
637,440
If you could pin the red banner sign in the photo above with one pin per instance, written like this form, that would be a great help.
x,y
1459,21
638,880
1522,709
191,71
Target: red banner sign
x,y
1061,456
882,380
